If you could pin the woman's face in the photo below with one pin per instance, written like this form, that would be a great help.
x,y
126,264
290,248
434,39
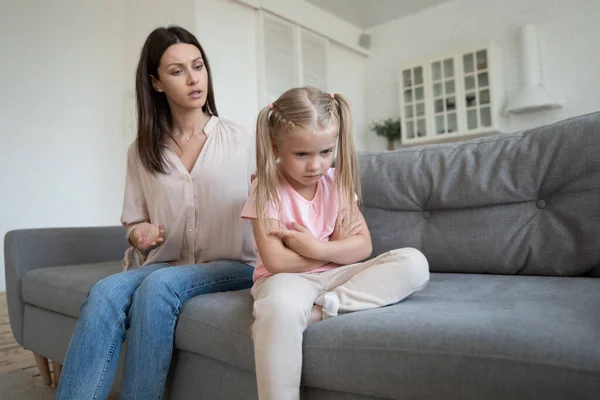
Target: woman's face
x,y
182,76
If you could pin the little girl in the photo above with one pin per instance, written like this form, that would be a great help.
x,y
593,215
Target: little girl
x,y
311,236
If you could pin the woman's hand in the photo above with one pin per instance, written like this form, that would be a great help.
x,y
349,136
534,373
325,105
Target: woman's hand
x,y
146,236
299,239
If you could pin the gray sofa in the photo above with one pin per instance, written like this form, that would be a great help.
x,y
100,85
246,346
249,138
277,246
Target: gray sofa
x,y
510,225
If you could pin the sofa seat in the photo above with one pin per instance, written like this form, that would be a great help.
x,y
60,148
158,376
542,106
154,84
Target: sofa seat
x,y
63,289
465,334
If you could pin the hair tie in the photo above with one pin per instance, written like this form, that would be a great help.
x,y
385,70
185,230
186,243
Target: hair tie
x,y
332,95
271,106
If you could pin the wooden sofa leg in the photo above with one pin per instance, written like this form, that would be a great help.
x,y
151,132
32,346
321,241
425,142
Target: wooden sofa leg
x,y
57,369
42,364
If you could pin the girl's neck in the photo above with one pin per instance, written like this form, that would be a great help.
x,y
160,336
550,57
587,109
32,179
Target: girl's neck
x,y
188,122
308,192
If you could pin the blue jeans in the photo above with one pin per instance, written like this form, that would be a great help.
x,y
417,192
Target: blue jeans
x,y
148,301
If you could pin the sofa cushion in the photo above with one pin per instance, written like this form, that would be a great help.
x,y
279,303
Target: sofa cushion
x,y
468,334
521,203
63,289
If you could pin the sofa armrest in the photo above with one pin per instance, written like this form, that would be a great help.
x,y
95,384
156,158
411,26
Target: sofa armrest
x,y
29,249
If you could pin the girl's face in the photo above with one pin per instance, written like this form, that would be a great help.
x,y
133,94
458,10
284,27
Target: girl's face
x,y
306,156
182,76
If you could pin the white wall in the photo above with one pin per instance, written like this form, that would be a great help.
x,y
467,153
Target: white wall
x,y
61,114
66,110
347,76
143,16
227,32
566,31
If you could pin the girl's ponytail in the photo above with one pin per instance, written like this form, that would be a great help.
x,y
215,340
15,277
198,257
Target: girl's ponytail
x,y
347,177
266,170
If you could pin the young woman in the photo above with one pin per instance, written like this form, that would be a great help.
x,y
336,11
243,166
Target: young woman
x,y
187,180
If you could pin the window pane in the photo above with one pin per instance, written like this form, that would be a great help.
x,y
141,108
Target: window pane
x,y
482,80
421,131
439,125
470,99
482,60
436,71
406,78
452,126
470,83
468,63
419,93
410,129
484,97
486,117
449,87
472,119
450,103
418,72
449,68
439,105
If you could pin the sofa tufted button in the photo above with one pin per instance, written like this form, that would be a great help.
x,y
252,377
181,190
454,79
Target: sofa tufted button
x,y
426,214
541,203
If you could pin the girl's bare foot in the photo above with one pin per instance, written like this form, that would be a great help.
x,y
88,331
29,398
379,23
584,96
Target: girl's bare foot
x,y
316,314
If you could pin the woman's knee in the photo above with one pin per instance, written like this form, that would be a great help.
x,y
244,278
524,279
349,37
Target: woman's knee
x,y
158,284
111,291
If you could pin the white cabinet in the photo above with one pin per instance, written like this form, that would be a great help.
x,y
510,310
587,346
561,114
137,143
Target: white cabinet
x,y
451,95
290,56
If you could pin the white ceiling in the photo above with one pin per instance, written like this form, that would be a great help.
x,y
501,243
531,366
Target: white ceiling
x,y
368,13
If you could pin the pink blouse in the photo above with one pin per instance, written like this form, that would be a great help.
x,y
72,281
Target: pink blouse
x,y
200,210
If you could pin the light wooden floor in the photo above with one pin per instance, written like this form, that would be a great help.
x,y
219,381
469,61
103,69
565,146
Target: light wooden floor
x,y
12,355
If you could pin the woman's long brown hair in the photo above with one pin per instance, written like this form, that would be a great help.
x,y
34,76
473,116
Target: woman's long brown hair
x,y
153,112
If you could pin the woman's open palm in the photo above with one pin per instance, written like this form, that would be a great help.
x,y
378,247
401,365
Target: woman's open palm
x,y
146,236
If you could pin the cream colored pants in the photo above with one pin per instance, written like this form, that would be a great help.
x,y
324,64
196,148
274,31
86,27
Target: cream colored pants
x,y
283,302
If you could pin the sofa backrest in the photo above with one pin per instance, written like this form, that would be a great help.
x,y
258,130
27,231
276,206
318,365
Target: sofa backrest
x,y
521,203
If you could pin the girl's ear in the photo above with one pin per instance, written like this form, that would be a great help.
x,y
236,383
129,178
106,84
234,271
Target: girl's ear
x,y
275,151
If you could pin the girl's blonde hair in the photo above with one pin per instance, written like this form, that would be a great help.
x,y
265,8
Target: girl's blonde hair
x,y
315,111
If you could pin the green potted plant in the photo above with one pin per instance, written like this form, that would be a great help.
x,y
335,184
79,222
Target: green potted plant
x,y
390,129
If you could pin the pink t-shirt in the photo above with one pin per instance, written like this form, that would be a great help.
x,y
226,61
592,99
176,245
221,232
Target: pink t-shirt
x,y
317,215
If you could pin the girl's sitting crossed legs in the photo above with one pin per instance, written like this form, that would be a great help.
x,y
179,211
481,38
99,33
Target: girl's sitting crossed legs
x,y
311,236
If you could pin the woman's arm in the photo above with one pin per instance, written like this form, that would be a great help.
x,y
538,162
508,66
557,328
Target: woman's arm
x,y
276,257
135,217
